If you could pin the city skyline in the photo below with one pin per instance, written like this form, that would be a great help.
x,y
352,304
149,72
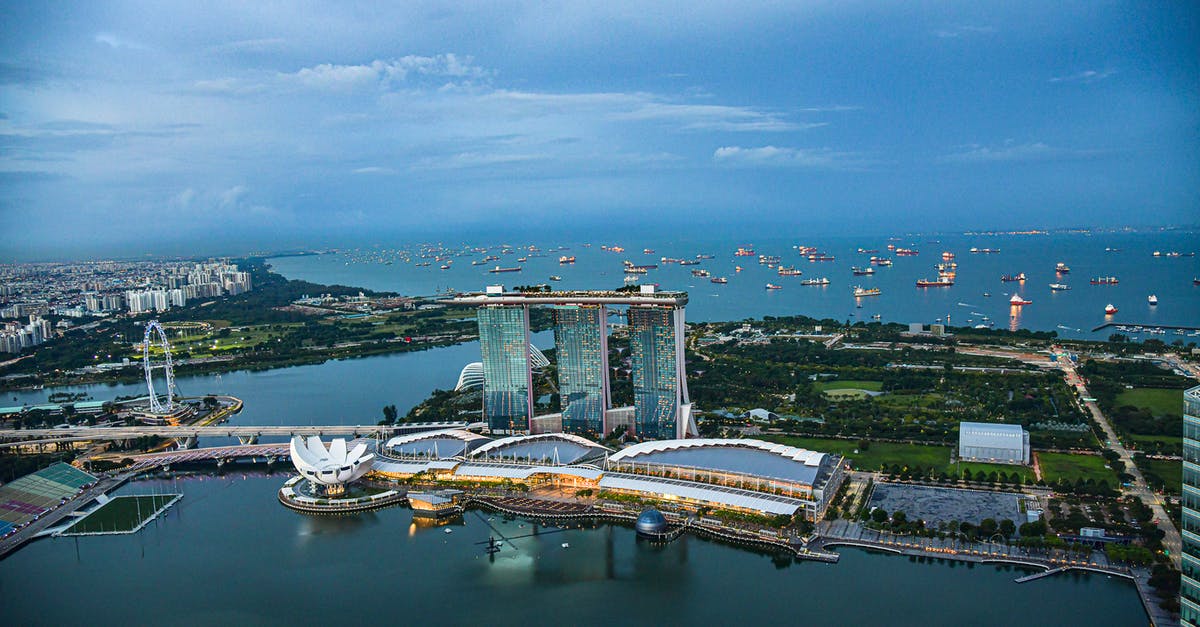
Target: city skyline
x,y
221,130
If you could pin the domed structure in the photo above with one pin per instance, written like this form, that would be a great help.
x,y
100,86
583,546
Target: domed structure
x,y
651,523
329,470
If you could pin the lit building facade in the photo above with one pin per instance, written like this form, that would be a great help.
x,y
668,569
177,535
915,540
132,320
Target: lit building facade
x,y
659,389
1189,602
581,346
507,373
661,407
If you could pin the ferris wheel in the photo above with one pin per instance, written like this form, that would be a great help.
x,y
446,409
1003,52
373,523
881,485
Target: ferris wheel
x,y
155,336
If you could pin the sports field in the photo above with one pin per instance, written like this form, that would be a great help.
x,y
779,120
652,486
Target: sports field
x,y
122,514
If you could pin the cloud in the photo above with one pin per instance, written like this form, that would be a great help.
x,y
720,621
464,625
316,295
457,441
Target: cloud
x,y
713,117
116,42
962,30
789,157
1011,151
475,160
386,73
249,46
373,169
1086,76
830,109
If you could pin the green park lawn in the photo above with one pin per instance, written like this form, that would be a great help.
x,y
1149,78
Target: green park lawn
x,y
827,386
877,453
1159,401
1168,472
1072,467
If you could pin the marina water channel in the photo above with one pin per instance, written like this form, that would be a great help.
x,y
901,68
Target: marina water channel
x,y
229,553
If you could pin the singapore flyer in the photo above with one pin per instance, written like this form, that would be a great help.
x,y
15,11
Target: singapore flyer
x,y
156,338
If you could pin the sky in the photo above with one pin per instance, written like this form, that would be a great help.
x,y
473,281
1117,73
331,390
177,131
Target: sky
x,y
130,128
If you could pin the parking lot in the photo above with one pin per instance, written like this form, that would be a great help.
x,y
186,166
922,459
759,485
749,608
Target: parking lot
x,y
934,505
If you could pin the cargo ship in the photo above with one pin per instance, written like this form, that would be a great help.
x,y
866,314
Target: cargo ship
x,y
868,271
768,259
701,273
498,269
1105,280
865,251
947,255
938,283
1152,300
820,281
881,261
907,252
772,286
1061,268
985,251
1109,309
1059,287
555,277
566,259
647,251
789,271
720,280
1013,278
1018,301
688,262
744,252
859,292
820,257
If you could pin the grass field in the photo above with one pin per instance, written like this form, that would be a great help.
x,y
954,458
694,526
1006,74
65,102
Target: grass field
x,y
1169,473
1159,401
121,514
827,386
876,454
1074,467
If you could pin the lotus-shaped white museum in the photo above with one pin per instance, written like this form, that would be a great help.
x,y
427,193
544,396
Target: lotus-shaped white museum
x,y
329,469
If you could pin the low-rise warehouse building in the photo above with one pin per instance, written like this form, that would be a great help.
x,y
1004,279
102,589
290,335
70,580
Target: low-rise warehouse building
x,y
993,443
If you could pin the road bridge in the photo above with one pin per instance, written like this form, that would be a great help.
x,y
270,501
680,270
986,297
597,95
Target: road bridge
x,y
184,433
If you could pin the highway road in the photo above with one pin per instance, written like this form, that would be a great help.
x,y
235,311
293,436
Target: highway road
x,y
1172,540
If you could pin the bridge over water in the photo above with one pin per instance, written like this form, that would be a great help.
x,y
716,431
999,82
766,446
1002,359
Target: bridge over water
x,y
189,434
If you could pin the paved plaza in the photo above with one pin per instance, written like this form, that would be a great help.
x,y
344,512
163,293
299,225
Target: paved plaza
x,y
935,505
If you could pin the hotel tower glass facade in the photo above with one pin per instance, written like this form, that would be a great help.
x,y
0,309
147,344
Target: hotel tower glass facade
x,y
1189,611
507,376
581,347
656,356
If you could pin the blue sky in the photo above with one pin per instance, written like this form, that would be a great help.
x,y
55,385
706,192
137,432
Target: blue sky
x,y
128,128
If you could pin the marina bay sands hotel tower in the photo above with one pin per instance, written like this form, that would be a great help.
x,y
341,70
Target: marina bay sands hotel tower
x,y
661,408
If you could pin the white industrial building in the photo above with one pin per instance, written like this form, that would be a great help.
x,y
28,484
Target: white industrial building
x,y
993,443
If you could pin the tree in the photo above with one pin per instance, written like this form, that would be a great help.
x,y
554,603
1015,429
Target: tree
x,y
389,414
988,526
879,515
1007,527
210,402
899,518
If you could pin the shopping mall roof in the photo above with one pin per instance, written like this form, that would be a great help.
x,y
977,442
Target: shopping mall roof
x,y
718,495
445,443
519,471
561,449
750,457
